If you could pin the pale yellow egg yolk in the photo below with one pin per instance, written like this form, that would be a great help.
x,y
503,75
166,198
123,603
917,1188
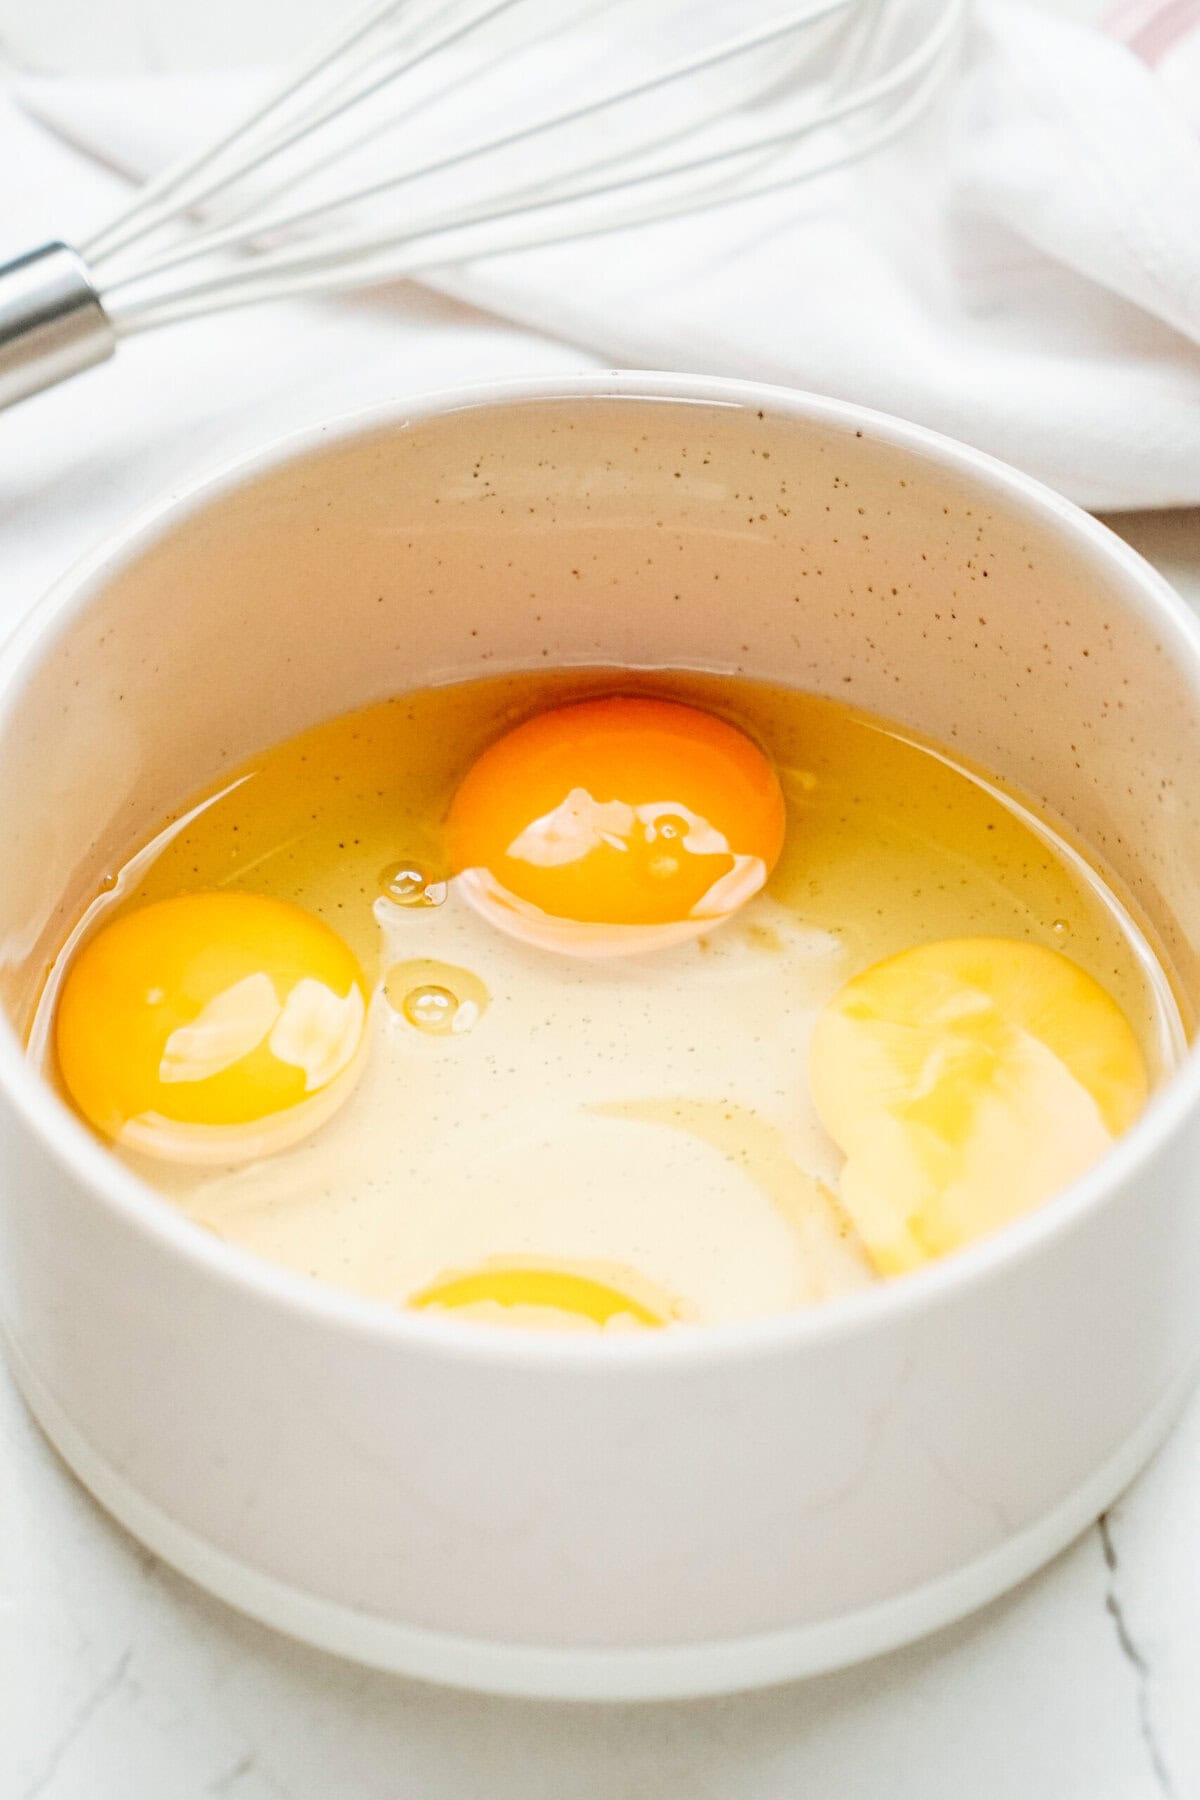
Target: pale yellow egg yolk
x,y
968,1081
211,1026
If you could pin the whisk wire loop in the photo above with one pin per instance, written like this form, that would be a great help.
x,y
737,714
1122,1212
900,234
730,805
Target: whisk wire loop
x,y
188,188
354,167
688,69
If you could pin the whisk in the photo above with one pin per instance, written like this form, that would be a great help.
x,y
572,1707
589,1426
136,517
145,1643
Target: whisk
x,y
411,142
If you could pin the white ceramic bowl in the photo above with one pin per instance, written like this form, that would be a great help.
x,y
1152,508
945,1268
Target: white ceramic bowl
x,y
662,1514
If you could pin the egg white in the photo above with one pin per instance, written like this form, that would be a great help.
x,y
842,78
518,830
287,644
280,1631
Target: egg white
x,y
509,1139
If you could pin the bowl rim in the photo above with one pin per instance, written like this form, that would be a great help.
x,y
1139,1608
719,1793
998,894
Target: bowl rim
x,y
70,1145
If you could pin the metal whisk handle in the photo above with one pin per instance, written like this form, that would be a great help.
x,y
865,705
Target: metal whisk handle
x,y
51,321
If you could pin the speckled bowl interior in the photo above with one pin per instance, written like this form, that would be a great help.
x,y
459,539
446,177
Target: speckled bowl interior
x,y
614,530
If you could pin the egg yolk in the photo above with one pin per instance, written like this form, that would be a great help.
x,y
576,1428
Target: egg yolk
x,y
967,1082
614,825
211,1027
513,1291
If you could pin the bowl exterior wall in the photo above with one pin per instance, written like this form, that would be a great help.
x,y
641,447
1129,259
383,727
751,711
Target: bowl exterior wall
x,y
579,1507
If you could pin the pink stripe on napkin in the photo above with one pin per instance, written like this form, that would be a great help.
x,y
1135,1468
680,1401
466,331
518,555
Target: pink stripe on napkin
x,y
1152,28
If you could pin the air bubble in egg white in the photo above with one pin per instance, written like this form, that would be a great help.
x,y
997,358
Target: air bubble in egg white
x,y
430,1008
435,998
408,884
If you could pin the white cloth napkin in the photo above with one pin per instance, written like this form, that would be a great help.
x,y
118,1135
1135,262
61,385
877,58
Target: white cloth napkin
x,y
76,460
1024,272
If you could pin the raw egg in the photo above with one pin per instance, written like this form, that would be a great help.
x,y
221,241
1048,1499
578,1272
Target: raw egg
x,y
967,1082
604,1144
615,825
212,1027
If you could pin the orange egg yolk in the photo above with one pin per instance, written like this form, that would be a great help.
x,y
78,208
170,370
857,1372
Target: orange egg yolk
x,y
210,1027
967,1082
616,824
